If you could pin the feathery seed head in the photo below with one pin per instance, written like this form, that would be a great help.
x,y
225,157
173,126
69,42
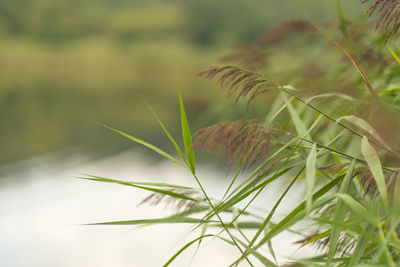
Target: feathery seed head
x,y
240,81
388,15
246,141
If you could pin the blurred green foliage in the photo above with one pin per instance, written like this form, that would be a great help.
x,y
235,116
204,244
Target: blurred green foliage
x,y
67,63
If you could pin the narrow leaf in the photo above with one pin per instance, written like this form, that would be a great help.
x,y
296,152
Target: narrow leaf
x,y
310,175
137,140
286,222
394,55
173,219
187,137
184,248
155,190
298,123
362,124
343,96
352,60
266,262
358,208
359,249
164,185
316,237
166,131
340,212
374,164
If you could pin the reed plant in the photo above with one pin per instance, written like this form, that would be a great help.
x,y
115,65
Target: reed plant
x,y
322,121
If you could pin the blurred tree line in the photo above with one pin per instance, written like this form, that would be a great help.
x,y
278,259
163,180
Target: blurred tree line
x,y
203,22
67,63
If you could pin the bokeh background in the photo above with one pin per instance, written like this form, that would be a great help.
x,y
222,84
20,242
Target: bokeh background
x,y
65,64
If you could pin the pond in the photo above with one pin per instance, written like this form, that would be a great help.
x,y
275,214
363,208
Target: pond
x,y
44,208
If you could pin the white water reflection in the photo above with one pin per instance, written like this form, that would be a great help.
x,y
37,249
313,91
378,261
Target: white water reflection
x,y
42,211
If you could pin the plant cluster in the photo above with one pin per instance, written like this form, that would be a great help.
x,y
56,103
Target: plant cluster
x,y
324,122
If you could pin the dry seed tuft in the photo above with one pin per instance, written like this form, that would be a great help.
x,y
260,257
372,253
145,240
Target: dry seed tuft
x,y
240,81
345,245
388,15
246,141
177,204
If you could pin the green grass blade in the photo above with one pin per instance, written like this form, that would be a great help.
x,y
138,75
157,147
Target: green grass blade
x,y
295,216
154,190
272,251
359,249
340,211
259,256
328,95
203,232
374,164
359,209
394,55
139,141
187,137
285,222
246,191
184,248
362,124
236,175
166,131
353,225
298,123
271,213
396,197
172,219
316,237
310,175
194,210
248,180
163,185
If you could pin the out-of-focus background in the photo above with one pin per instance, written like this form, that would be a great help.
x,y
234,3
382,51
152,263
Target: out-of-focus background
x,y
65,64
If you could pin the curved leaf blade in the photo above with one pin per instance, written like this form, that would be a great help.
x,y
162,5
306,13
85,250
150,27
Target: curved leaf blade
x,y
139,141
154,190
187,136
173,219
165,131
310,176
375,166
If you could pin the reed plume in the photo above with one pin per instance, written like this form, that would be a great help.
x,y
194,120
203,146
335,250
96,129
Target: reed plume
x,y
345,244
240,81
176,204
246,141
388,15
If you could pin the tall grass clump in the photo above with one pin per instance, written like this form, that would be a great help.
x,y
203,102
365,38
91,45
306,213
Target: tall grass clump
x,y
325,101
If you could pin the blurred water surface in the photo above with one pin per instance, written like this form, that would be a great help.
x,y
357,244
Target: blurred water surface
x,y
42,215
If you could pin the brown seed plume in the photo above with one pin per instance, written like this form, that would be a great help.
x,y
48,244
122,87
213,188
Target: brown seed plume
x,y
368,182
388,15
345,245
243,82
245,141
176,204
333,168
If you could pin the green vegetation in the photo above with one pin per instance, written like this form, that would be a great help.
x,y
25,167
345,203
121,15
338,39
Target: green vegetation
x,y
67,63
321,107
